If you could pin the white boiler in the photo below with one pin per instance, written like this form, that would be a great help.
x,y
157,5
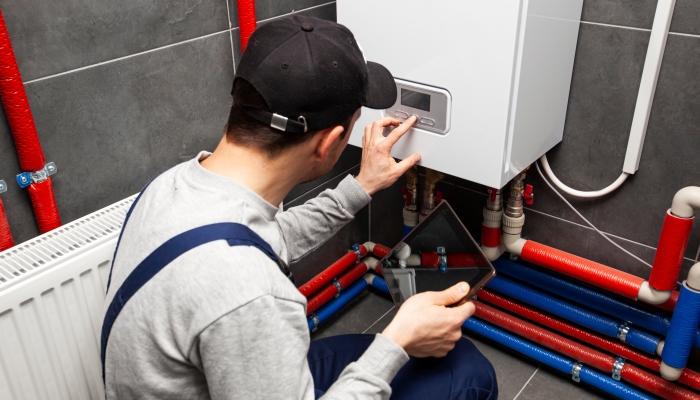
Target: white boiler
x,y
489,79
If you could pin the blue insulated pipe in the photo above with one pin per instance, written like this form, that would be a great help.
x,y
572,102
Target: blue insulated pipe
x,y
553,360
681,335
586,318
332,307
654,321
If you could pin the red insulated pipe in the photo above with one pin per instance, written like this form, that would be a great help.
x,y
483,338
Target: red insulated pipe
x,y
5,235
577,351
329,292
246,20
19,117
490,237
380,250
320,280
430,259
689,377
600,275
669,255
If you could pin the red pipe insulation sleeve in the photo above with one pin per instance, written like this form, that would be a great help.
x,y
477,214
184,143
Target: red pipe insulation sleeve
x,y
327,275
577,351
689,377
490,237
5,235
600,275
246,20
669,255
44,203
19,115
430,259
380,250
329,292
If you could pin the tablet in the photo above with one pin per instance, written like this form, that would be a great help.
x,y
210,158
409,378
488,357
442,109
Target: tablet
x,y
437,254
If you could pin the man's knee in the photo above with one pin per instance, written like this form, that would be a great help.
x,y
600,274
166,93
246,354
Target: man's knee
x,y
473,374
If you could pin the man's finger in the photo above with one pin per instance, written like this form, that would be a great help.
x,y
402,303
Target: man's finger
x,y
464,311
396,134
408,163
377,127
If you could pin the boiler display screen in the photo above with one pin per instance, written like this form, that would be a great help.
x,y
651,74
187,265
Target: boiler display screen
x,y
413,99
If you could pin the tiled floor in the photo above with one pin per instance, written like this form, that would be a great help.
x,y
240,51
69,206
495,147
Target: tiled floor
x,y
518,377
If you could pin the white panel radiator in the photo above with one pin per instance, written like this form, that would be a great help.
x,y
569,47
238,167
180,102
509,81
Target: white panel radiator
x,y
52,292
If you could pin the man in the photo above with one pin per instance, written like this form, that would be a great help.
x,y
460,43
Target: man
x,y
192,316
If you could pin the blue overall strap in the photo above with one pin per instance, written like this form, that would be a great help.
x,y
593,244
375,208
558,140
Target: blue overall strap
x,y
235,234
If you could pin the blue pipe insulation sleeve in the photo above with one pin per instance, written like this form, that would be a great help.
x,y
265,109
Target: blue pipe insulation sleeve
x,y
653,321
407,230
553,360
335,305
643,341
555,306
561,364
610,385
681,334
380,284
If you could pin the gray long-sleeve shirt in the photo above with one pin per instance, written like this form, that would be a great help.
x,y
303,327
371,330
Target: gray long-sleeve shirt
x,y
223,322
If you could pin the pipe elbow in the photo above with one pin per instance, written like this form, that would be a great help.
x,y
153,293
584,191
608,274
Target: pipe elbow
x,y
650,295
371,263
513,243
686,201
670,373
492,253
369,246
414,260
693,279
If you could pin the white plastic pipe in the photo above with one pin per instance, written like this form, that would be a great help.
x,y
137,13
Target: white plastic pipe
x,y
685,202
580,193
647,88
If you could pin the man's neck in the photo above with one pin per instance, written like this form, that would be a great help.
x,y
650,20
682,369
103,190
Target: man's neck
x,y
271,179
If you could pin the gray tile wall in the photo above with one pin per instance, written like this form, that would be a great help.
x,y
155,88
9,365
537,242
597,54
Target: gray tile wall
x,y
610,57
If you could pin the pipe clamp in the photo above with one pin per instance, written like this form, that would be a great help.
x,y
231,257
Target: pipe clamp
x,y
338,286
622,332
576,372
442,259
3,186
315,320
617,368
27,178
356,249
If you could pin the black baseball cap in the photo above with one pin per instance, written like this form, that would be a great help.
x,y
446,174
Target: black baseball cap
x,y
312,74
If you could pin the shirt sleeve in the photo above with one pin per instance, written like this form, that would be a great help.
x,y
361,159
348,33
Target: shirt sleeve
x,y
308,226
259,351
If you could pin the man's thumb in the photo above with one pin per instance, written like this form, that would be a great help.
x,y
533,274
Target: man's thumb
x,y
452,295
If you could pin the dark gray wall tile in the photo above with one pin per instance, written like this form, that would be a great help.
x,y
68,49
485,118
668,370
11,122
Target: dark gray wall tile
x,y
50,37
357,231
327,12
112,128
640,14
265,9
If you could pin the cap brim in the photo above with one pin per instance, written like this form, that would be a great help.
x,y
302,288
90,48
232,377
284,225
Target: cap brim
x,y
381,87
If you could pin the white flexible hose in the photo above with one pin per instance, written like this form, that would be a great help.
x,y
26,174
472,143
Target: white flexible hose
x,y
580,193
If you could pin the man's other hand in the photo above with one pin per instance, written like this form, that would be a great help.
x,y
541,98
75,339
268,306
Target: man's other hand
x,y
426,326
379,170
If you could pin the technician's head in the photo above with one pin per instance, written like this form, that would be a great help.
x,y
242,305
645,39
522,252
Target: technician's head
x,y
302,82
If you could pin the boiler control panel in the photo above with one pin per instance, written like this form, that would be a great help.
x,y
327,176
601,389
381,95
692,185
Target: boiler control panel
x,y
432,105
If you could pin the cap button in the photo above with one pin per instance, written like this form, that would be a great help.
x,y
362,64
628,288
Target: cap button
x,y
306,26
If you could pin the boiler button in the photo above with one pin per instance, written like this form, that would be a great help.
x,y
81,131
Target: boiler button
x,y
427,121
401,114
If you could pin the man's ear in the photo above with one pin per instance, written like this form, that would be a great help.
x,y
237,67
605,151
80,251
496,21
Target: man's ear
x,y
326,140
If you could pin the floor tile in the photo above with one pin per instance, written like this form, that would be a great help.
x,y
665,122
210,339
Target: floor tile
x,y
357,316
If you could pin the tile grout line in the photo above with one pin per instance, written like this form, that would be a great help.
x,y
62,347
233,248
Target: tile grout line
x,y
380,318
636,29
526,383
316,187
697,255
230,36
230,30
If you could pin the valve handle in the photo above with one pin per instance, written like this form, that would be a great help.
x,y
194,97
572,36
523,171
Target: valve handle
x,y
407,195
438,197
528,195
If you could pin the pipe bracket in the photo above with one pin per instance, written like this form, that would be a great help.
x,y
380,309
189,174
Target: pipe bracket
x,y
442,259
622,332
617,368
576,372
338,286
356,249
27,178
315,320
3,186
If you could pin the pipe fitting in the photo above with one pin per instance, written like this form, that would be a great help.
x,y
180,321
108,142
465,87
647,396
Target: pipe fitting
x,y
371,263
514,208
369,246
493,253
513,243
495,199
3,186
693,280
650,295
685,202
